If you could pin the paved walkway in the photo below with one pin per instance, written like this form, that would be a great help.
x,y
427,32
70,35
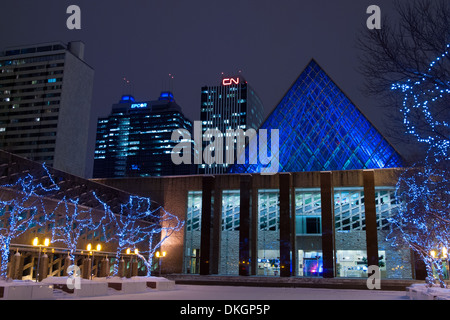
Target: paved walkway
x,y
232,293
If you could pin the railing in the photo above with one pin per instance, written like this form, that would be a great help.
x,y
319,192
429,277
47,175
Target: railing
x,y
54,262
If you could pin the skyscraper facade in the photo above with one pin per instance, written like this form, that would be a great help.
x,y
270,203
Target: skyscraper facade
x,y
233,105
135,139
45,105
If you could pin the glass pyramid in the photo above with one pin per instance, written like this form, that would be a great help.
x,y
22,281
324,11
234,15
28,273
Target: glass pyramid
x,y
320,129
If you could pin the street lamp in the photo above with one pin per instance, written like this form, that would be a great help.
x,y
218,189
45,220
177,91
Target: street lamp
x,y
36,244
433,254
91,252
160,255
136,251
445,257
131,267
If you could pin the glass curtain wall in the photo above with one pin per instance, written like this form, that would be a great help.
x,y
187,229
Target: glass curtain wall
x,y
193,233
308,231
229,239
350,232
397,260
268,232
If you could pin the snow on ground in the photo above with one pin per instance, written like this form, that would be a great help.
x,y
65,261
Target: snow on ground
x,y
199,292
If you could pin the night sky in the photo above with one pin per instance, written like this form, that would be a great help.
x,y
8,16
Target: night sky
x,y
145,41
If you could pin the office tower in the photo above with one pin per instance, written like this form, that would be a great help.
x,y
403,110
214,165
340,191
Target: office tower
x,y
135,139
45,105
320,129
231,105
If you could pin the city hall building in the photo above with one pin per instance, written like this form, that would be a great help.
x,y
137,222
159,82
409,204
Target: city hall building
x,y
311,224
325,214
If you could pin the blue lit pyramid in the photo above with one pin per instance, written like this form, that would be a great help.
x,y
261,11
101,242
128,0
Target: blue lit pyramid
x,y
320,129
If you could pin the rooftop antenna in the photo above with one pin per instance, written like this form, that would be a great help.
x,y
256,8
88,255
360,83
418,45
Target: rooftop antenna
x,y
171,76
126,86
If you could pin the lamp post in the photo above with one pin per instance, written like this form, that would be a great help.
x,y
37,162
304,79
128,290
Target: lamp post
x,y
445,258
131,266
91,252
160,255
37,244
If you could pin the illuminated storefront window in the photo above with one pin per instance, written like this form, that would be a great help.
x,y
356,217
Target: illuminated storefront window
x,y
308,240
397,260
193,232
229,244
350,232
268,233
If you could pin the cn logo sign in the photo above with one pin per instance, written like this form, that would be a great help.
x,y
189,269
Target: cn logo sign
x,y
230,81
373,281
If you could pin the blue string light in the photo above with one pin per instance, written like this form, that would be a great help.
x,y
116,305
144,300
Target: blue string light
x,y
70,222
423,192
22,212
420,95
137,221
168,224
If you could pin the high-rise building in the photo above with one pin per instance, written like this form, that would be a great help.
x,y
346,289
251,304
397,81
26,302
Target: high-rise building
x,y
231,105
135,139
320,129
45,105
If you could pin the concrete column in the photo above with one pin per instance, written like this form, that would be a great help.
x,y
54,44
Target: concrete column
x,y
9,269
17,266
327,200
371,217
121,271
254,228
43,267
104,267
86,274
245,224
134,268
67,263
419,269
208,185
285,225
216,228
294,264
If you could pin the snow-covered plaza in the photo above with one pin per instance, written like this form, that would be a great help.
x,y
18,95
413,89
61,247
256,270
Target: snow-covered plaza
x,y
202,292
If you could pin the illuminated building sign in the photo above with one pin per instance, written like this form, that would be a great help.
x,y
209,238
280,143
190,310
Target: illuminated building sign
x,y
230,81
138,105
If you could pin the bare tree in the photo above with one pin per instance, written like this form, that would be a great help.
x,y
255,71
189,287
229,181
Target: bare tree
x,y
71,220
168,223
406,65
21,206
403,52
422,221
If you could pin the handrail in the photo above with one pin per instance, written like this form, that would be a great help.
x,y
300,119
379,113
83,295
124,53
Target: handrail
x,y
65,250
